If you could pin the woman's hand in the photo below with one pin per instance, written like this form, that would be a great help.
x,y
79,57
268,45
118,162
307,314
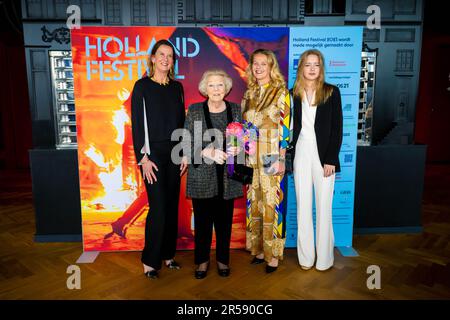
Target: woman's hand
x,y
147,170
218,156
281,168
277,168
328,170
183,165
233,151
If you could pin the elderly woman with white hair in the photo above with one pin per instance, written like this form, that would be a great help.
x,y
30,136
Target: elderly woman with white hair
x,y
208,185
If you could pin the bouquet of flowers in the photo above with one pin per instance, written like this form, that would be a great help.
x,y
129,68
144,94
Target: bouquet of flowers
x,y
243,136
234,134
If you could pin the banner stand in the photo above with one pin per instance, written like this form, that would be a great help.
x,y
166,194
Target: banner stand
x,y
88,257
348,251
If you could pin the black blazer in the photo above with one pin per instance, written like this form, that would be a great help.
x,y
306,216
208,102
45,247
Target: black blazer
x,y
327,126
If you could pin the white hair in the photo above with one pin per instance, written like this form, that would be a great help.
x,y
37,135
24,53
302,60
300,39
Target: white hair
x,y
215,72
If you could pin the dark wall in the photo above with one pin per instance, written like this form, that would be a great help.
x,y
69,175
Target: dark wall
x,y
433,104
15,120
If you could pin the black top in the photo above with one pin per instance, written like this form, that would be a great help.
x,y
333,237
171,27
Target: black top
x,y
164,105
219,120
327,126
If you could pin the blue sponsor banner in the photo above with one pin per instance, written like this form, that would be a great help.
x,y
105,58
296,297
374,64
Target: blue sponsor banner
x,y
341,47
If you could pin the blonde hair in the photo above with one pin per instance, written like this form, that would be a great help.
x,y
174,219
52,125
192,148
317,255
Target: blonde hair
x,y
276,78
151,66
214,72
323,89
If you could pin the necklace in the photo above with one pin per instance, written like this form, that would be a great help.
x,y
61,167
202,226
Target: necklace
x,y
162,83
308,99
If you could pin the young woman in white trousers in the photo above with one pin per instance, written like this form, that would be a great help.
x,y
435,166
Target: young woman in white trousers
x,y
316,142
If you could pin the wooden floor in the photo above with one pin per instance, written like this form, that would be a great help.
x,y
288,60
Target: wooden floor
x,y
413,266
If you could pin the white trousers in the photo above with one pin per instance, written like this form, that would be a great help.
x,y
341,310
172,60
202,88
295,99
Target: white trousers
x,y
308,172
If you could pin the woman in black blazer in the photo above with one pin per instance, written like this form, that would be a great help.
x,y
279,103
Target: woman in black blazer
x,y
316,142
157,109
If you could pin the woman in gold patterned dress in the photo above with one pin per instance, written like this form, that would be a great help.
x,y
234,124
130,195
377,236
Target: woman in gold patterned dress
x,y
266,104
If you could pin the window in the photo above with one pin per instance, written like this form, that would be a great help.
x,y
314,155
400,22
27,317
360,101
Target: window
x,y
405,7
404,61
324,7
113,12
296,10
60,8
189,10
166,14
139,13
338,7
34,9
371,35
221,10
88,9
262,10
400,35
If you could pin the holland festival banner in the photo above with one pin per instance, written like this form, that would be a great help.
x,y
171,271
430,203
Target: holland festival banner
x,y
107,61
341,47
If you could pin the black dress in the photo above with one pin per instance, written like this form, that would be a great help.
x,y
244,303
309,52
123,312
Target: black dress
x,y
165,112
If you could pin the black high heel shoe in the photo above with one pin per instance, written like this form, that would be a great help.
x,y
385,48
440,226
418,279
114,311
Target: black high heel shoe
x,y
152,274
200,274
225,272
257,260
173,265
270,269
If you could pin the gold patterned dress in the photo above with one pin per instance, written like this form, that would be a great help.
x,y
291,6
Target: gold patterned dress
x,y
269,111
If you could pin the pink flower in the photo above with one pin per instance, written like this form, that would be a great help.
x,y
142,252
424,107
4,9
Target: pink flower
x,y
250,147
235,129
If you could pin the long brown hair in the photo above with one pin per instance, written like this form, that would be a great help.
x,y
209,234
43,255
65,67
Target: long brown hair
x,y
151,66
323,89
276,77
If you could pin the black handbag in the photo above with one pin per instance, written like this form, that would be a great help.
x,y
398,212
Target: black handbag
x,y
289,165
241,173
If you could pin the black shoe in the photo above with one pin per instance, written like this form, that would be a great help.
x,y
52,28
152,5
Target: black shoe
x,y
153,274
173,265
257,260
200,274
270,269
223,272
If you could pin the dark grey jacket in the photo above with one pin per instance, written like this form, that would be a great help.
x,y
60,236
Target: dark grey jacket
x,y
202,178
